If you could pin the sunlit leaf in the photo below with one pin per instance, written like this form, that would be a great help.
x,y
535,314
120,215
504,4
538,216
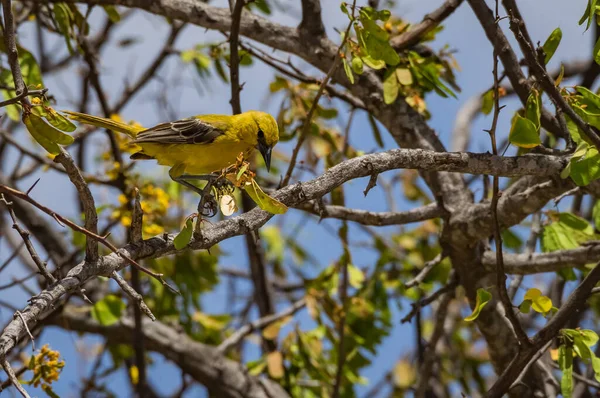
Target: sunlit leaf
x,y
108,310
483,297
185,235
275,364
390,87
348,71
551,44
565,362
263,200
112,13
524,133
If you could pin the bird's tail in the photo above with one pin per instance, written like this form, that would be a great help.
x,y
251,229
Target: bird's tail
x,y
106,123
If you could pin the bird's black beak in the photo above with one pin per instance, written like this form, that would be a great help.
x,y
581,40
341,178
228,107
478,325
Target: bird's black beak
x,y
265,151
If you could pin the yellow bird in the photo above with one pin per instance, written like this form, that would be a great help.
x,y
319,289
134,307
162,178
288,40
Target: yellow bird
x,y
197,146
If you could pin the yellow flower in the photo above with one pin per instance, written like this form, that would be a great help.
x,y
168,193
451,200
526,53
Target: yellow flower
x,y
153,229
126,221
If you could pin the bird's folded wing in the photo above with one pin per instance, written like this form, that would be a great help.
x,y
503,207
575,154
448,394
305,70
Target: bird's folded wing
x,y
185,131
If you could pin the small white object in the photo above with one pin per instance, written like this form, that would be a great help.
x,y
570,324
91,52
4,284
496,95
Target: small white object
x,y
227,205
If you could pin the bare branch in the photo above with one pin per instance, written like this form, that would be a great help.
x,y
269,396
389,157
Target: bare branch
x,y
13,378
438,331
137,218
135,296
87,200
365,217
258,324
222,376
430,22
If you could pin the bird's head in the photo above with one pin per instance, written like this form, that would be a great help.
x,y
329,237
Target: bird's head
x,y
267,135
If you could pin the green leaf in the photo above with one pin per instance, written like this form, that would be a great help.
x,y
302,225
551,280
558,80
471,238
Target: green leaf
x,y
373,63
487,102
348,71
586,169
263,200
390,86
588,14
48,145
524,133
108,310
590,98
575,222
357,65
525,307
511,240
185,235
375,30
262,5
58,120
64,18
596,214
382,50
551,44
404,76
112,13
375,129
49,131
356,277
533,108
483,297
565,363
597,51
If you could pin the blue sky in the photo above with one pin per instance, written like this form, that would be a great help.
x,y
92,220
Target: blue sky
x,y
462,32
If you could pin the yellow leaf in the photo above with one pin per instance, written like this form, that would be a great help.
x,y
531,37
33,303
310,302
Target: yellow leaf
x,y
483,297
532,294
554,354
404,374
272,331
355,276
134,373
263,200
275,364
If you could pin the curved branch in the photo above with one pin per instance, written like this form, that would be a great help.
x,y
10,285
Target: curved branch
x,y
292,195
223,377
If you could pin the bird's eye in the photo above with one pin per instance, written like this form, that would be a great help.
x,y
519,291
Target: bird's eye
x,y
261,134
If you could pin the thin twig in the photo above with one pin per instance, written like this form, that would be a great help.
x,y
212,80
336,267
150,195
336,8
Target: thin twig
x,y
135,296
10,42
429,265
438,331
63,220
234,60
25,235
533,360
522,337
547,82
430,22
430,299
258,324
87,201
308,120
18,313
10,372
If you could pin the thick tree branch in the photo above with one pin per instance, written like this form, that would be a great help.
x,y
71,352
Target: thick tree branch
x,y
290,195
223,377
536,263
312,23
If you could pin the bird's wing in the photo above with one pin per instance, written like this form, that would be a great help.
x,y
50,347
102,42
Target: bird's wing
x,y
185,131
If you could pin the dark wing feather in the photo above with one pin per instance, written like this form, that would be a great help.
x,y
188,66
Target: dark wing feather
x,y
185,131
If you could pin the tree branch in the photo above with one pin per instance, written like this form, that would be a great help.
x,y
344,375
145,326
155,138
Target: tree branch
x,y
223,377
430,22
312,24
